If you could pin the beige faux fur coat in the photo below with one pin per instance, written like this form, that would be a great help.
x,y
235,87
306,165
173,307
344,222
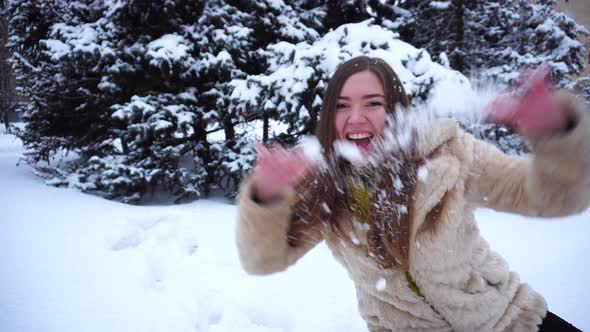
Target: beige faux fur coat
x,y
466,286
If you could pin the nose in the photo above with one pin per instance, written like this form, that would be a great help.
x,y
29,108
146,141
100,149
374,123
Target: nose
x,y
356,115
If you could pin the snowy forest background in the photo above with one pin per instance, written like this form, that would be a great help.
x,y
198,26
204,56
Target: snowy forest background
x,y
128,99
159,101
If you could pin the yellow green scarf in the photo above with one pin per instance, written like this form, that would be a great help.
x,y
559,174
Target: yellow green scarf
x,y
358,200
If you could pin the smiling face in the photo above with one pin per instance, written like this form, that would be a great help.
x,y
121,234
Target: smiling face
x,y
344,110
360,113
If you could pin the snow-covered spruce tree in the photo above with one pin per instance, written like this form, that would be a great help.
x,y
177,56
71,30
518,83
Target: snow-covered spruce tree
x,y
490,40
486,25
468,35
486,40
518,34
29,22
159,138
582,86
343,12
152,82
439,27
547,35
158,133
529,34
496,39
100,60
298,74
339,12
240,31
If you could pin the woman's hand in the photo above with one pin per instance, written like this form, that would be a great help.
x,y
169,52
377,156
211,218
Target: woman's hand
x,y
533,110
277,171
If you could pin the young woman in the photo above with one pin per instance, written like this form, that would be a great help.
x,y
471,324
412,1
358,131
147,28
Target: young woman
x,y
404,226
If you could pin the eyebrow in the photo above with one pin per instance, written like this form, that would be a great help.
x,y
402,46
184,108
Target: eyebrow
x,y
364,97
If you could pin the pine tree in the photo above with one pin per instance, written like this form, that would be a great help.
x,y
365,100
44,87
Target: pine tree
x,y
487,24
169,95
553,37
339,12
153,117
7,92
295,82
144,88
439,27
496,39
100,62
240,31
29,24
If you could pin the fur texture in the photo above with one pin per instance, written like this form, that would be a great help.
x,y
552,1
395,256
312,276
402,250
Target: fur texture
x,y
466,286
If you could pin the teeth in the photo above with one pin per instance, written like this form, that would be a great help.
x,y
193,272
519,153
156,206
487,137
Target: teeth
x,y
359,136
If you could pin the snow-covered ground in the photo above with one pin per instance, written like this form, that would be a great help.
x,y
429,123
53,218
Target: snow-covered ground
x,y
75,262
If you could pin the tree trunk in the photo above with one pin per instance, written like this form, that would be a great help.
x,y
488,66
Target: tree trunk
x,y
124,144
5,120
265,128
228,129
204,153
7,93
457,62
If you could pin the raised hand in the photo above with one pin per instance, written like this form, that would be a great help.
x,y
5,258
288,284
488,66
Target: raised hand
x,y
277,171
533,109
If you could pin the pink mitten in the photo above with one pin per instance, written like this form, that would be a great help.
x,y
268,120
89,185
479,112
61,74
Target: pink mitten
x,y
532,109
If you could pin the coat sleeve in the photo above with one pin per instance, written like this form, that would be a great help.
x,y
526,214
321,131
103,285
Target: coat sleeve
x,y
262,234
553,182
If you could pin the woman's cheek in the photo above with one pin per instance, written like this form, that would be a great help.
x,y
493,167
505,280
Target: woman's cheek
x,y
339,122
380,121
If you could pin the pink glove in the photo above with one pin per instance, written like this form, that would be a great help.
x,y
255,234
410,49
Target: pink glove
x,y
533,109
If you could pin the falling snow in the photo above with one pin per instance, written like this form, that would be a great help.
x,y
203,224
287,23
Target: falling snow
x,y
422,173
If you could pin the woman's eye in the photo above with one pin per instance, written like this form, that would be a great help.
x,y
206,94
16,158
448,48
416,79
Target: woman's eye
x,y
341,106
375,103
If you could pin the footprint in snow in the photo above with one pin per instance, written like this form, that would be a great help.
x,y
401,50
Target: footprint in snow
x,y
157,232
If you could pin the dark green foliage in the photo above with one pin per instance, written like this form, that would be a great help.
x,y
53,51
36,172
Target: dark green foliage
x,y
136,89
136,97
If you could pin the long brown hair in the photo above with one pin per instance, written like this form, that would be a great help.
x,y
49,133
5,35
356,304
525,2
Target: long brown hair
x,y
392,87
322,198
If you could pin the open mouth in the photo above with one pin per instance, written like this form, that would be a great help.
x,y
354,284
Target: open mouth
x,y
362,140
